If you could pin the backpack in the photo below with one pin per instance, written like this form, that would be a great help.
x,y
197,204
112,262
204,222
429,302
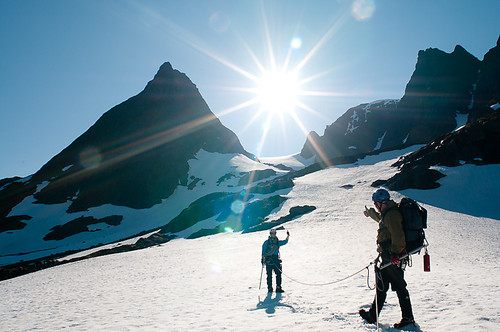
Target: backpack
x,y
272,246
414,222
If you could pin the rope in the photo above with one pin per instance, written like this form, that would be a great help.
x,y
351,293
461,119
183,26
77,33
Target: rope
x,y
368,280
357,272
331,282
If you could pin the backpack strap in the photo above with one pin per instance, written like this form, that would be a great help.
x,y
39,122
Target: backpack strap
x,y
271,244
396,207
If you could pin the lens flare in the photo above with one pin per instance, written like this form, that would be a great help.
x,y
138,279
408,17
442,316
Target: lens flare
x,y
237,207
219,22
90,158
216,269
363,9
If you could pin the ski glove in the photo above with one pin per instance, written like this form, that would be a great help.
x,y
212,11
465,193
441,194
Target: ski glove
x,y
395,259
370,212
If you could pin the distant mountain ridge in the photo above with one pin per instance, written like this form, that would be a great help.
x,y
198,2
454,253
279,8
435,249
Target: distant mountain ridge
x,y
442,87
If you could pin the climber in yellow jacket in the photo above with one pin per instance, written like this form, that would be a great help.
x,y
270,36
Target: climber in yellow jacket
x,y
391,246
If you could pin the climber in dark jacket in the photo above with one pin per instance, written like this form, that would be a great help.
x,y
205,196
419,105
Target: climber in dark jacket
x,y
271,258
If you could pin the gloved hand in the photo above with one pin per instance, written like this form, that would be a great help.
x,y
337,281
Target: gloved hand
x,y
394,259
263,260
366,212
370,212
288,233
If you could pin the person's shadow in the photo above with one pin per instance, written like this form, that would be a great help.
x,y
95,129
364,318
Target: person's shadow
x,y
269,303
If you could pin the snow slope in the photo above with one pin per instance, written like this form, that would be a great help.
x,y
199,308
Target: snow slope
x,y
208,173
212,283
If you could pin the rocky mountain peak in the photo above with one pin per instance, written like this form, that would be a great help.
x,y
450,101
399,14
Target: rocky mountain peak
x,y
168,78
487,87
441,86
137,153
166,67
460,50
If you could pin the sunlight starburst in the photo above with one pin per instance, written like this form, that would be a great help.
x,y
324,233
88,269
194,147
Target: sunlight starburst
x,y
277,92
276,88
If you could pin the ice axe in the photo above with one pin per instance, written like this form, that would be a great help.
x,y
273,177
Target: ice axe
x,y
407,255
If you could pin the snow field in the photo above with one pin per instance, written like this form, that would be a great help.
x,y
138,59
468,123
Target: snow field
x,y
212,283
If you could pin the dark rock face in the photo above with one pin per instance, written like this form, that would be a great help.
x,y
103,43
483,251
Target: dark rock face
x,y
13,223
12,194
135,154
477,143
441,86
293,213
79,225
417,177
311,146
357,131
487,92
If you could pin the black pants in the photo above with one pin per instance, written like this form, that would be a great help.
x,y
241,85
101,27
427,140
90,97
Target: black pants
x,y
394,276
273,263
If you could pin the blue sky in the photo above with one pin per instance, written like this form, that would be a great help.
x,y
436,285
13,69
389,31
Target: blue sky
x,y
65,63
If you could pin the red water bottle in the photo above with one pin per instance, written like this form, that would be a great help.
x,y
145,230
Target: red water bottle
x,y
427,262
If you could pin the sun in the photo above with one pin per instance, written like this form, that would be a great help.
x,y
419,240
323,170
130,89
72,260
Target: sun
x,y
276,101
278,92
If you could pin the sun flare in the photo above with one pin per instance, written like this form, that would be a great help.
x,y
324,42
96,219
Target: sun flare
x,y
278,92
279,102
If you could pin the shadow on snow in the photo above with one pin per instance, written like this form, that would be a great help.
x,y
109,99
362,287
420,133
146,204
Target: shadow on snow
x,y
269,304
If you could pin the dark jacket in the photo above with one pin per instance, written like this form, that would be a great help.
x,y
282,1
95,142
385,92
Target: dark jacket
x,y
271,246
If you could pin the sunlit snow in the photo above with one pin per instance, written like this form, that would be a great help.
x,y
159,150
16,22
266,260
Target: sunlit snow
x,y
212,283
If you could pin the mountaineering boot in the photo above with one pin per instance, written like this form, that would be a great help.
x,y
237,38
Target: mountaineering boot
x,y
269,289
367,316
404,322
279,290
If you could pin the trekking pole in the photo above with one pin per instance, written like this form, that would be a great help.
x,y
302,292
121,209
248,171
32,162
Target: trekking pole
x,y
406,255
376,303
262,270
376,290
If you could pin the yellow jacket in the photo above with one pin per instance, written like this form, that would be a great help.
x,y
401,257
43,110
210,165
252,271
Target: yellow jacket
x,y
390,237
